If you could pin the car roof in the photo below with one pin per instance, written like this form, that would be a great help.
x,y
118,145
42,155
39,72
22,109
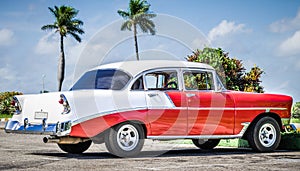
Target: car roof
x,y
136,67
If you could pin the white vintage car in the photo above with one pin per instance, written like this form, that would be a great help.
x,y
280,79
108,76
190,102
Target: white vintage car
x,y
124,103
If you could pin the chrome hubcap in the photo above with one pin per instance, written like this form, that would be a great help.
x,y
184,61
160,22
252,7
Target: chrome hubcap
x,y
128,137
267,135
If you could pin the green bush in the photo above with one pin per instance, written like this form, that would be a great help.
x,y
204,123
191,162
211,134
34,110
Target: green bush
x,y
5,102
296,110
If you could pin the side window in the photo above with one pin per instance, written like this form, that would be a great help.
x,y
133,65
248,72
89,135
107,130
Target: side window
x,y
197,80
138,84
162,80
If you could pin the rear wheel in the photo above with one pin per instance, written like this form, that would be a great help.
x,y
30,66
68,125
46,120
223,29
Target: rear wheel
x,y
125,140
75,148
206,144
264,135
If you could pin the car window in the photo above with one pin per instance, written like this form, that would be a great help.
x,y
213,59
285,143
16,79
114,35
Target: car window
x,y
138,84
102,79
162,80
196,80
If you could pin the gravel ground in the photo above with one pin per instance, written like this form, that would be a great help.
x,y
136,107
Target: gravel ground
x,y
28,152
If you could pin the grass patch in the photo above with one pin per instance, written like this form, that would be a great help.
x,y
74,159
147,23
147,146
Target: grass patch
x,y
233,143
295,120
5,116
290,141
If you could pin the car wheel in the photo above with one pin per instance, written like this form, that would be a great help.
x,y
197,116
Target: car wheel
x,y
264,135
125,140
75,148
206,144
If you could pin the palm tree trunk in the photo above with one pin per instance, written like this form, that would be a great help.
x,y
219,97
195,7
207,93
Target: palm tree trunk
x,y
61,64
135,42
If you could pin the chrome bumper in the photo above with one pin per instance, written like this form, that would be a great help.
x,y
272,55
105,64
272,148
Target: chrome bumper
x,y
58,129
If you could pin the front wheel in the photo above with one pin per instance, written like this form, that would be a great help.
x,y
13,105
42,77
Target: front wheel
x,y
264,135
206,144
125,140
75,148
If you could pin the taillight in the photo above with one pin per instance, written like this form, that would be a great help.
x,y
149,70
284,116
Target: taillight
x,y
63,101
15,103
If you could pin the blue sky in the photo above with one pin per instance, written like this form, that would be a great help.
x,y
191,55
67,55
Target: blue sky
x,y
265,33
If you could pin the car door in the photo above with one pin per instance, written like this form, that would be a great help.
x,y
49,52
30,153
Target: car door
x,y
209,112
165,99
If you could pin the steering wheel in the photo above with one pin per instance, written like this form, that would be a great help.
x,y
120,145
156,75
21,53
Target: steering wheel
x,y
173,85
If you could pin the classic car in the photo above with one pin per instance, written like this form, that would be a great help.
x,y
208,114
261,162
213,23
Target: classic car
x,y
122,104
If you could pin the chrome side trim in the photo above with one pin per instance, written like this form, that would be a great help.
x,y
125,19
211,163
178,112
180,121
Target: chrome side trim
x,y
238,108
89,117
246,125
93,116
167,137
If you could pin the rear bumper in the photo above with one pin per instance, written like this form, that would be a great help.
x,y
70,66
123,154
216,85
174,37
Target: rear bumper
x,y
58,129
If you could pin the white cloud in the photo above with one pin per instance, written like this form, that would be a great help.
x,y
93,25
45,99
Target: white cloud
x,y
291,46
6,37
48,45
225,28
7,74
286,24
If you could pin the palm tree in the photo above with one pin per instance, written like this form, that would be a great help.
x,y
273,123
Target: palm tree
x,y
138,14
65,24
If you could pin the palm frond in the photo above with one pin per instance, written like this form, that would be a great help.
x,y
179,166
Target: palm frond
x,y
54,12
127,25
77,22
143,27
138,7
76,36
65,22
149,15
123,14
49,27
75,30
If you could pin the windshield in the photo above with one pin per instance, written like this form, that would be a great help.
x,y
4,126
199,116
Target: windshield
x,y
107,79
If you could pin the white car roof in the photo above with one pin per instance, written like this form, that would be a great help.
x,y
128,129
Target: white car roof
x,y
136,67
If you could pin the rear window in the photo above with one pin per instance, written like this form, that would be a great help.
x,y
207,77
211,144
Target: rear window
x,y
107,79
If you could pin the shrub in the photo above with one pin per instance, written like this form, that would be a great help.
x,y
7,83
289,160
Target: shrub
x,y
5,102
296,110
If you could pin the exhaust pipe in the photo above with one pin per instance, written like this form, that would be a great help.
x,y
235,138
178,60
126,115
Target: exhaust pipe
x,y
64,140
50,140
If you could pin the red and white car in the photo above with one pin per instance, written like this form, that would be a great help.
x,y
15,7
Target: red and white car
x,y
124,103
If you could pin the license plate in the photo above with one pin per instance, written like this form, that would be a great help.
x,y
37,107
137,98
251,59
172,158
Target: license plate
x,y
41,115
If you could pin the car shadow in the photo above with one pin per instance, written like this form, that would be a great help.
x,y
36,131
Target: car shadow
x,y
154,153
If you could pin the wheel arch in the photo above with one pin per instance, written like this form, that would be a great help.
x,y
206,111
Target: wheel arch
x,y
262,115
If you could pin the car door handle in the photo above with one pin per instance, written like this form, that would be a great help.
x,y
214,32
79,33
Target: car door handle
x,y
190,95
152,94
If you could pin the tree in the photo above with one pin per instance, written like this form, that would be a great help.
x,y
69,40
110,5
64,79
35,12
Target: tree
x,y
296,110
230,70
65,24
138,14
5,102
